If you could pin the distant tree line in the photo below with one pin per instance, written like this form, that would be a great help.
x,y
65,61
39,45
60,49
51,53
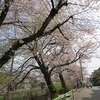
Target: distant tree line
x,y
96,77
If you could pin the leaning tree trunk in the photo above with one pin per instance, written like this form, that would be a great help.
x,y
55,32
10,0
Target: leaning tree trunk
x,y
63,83
52,90
47,77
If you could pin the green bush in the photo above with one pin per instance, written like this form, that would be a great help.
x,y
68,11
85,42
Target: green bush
x,y
69,87
58,85
60,89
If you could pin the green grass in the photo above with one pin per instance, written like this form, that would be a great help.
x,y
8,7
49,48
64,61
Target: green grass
x,y
1,98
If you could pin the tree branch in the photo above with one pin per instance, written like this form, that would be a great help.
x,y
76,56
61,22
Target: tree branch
x,y
62,33
16,45
24,77
52,2
5,11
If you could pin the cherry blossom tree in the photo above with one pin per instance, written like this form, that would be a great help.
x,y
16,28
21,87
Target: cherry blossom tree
x,y
20,12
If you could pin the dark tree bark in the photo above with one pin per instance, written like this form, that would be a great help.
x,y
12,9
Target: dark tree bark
x,y
47,77
63,83
52,90
4,11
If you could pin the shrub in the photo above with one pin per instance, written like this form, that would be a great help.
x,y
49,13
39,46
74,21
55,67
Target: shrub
x,y
60,89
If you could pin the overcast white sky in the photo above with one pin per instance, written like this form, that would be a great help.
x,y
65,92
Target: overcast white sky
x,y
95,61
93,65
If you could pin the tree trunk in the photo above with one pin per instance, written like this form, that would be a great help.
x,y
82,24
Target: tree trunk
x,y
47,77
52,90
63,83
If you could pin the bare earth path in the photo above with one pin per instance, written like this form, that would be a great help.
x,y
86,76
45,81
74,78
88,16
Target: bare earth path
x,y
88,94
